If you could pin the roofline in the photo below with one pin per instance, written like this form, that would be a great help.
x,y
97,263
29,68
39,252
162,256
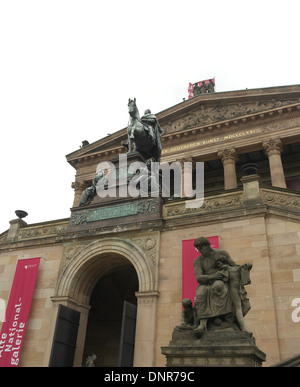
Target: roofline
x,y
203,98
208,96
94,142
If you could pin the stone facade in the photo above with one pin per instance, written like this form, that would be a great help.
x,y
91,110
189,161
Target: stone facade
x,y
256,218
263,238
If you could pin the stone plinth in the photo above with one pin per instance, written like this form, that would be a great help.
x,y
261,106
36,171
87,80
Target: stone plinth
x,y
120,205
213,349
251,190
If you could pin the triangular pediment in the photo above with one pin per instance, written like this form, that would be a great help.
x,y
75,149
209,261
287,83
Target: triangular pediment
x,y
210,109
202,114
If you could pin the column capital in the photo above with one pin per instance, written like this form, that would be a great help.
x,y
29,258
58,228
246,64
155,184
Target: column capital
x,y
185,160
228,155
273,146
78,185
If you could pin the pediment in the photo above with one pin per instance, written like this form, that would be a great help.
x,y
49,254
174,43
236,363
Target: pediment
x,y
205,115
208,114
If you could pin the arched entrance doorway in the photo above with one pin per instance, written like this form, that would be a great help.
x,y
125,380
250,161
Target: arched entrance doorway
x,y
105,260
106,317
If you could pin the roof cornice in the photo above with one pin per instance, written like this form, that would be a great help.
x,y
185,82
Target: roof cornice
x,y
110,146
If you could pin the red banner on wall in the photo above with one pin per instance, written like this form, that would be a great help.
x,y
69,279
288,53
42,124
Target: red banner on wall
x,y
189,254
17,311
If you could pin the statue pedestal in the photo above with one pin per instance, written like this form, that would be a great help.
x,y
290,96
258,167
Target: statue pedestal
x,y
214,349
119,206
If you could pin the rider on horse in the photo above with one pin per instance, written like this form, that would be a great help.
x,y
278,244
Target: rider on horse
x,y
144,132
151,122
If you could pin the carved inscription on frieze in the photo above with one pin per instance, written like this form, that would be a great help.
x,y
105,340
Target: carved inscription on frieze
x,y
211,140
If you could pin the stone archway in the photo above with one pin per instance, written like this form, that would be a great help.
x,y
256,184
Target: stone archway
x,y
79,277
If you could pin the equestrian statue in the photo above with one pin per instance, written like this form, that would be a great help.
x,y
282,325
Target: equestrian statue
x,y
144,133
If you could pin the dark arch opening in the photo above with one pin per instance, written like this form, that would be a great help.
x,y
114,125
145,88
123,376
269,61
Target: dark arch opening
x,y
105,317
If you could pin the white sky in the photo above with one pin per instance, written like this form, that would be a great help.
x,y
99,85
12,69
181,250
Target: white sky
x,y
67,69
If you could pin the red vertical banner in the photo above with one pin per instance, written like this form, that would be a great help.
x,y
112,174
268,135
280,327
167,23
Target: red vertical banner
x,y
189,254
17,312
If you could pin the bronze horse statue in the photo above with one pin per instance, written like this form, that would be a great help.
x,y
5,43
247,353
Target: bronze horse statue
x,y
144,133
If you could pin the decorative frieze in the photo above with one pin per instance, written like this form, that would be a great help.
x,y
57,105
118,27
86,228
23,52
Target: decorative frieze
x,y
210,114
212,203
42,231
281,199
271,197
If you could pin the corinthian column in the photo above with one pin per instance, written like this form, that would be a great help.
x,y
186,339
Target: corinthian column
x,y
273,149
186,177
229,158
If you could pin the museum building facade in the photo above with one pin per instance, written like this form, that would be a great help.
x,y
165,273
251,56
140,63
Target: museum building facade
x,y
121,259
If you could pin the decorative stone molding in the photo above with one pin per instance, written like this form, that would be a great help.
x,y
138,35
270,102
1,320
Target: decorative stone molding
x,y
150,245
69,251
81,271
147,297
269,196
42,231
281,199
71,303
212,203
